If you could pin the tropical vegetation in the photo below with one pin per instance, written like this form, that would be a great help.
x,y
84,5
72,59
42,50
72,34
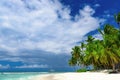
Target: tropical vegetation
x,y
101,53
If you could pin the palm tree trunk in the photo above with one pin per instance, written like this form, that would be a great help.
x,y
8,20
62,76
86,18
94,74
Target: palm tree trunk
x,y
113,67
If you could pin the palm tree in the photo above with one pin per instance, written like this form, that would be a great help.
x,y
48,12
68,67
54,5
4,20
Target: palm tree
x,y
110,45
117,19
90,52
75,55
100,53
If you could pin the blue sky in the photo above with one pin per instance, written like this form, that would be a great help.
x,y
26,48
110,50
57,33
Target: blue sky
x,y
41,33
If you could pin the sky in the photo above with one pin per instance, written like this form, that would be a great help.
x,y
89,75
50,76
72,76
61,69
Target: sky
x,y
39,34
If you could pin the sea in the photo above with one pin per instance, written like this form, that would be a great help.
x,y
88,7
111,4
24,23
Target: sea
x,y
27,74
19,75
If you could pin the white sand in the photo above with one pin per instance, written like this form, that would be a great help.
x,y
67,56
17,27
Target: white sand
x,y
79,76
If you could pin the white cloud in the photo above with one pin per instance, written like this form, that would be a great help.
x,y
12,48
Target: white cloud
x,y
33,66
43,24
4,66
87,11
98,36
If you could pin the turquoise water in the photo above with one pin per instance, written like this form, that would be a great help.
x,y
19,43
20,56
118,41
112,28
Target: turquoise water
x,y
19,76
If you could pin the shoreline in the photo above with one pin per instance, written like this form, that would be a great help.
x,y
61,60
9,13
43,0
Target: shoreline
x,y
78,76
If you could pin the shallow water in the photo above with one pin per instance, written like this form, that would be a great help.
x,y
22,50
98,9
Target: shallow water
x,y
19,75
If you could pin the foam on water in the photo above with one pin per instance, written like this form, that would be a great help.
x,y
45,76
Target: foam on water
x,y
19,76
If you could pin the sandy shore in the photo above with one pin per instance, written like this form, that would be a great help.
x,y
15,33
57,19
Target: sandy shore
x,y
79,76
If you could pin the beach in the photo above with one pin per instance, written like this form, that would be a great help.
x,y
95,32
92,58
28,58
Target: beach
x,y
78,76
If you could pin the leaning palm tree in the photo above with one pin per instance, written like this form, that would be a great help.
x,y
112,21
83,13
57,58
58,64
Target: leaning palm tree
x,y
117,19
99,53
110,46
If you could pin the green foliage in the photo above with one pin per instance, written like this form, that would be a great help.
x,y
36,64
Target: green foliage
x,y
100,53
117,18
81,70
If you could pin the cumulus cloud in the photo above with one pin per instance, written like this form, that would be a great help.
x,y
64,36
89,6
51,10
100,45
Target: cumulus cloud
x,y
42,25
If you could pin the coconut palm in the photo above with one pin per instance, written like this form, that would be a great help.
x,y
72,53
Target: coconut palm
x,y
110,46
100,53
91,56
75,55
